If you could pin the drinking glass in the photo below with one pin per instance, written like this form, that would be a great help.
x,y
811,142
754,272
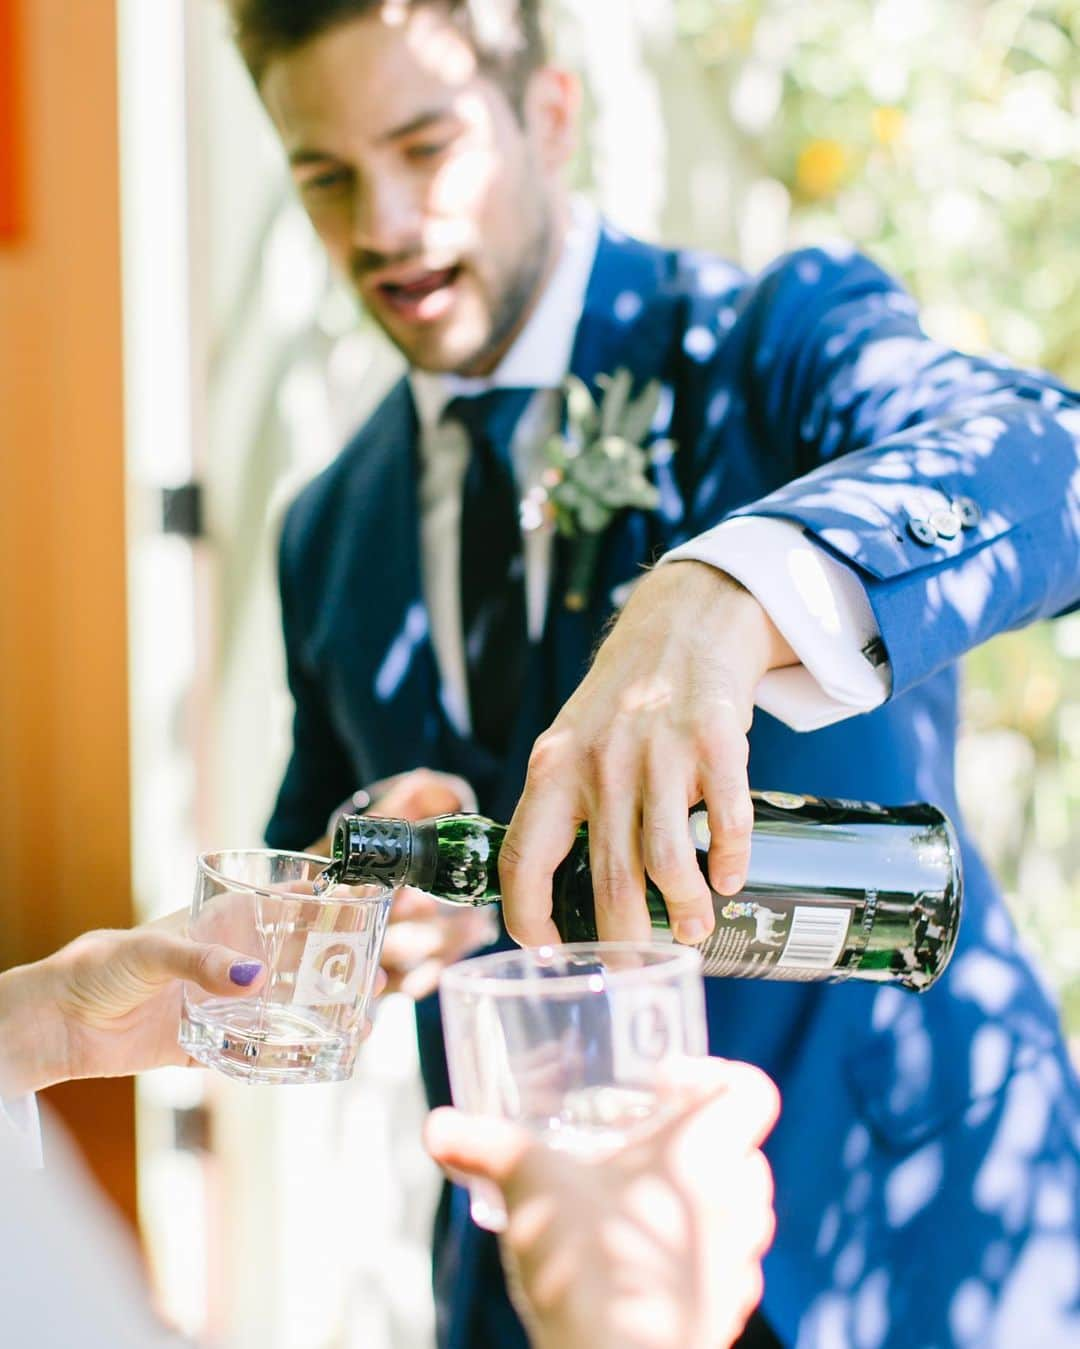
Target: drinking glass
x,y
572,1042
306,1021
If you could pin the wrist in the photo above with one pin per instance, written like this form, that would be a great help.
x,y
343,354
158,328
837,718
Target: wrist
x,y
727,612
33,1033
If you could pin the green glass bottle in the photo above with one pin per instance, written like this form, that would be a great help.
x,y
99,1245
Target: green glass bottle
x,y
835,890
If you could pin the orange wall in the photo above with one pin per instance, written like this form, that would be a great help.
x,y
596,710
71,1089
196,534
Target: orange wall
x,y
64,789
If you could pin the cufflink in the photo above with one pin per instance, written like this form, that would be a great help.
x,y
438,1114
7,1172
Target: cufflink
x,y
875,653
922,531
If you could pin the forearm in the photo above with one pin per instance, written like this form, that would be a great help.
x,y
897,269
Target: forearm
x,y
949,484
34,1048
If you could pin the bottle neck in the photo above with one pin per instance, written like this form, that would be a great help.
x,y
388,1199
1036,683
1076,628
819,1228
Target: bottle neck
x,y
429,855
370,850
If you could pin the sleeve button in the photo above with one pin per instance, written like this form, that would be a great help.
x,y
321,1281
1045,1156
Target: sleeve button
x,y
969,512
947,523
922,531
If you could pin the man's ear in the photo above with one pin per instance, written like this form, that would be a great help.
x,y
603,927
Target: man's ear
x,y
552,105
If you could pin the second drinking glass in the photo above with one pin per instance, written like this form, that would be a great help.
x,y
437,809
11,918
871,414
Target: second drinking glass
x,y
571,1042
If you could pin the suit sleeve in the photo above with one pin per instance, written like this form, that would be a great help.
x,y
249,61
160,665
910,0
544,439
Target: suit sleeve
x,y
950,483
319,774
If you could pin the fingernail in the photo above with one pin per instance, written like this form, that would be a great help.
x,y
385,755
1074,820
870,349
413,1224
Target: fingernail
x,y
245,972
731,885
689,931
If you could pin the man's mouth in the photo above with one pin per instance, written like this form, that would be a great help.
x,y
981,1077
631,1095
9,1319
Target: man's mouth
x,y
420,296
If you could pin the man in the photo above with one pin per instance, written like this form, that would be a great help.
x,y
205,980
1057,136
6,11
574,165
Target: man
x,y
108,1004
849,509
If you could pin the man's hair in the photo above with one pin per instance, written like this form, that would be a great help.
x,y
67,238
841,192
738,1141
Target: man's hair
x,y
506,35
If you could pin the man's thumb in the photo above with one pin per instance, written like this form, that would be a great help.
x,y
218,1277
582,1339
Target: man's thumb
x,y
475,1145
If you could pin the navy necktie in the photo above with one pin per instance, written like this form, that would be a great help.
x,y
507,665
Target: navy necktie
x,y
493,610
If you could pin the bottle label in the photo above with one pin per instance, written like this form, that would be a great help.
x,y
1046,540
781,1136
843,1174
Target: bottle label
x,y
815,939
784,800
781,939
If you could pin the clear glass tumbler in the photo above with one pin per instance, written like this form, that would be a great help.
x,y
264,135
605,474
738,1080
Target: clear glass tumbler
x,y
572,1042
306,1020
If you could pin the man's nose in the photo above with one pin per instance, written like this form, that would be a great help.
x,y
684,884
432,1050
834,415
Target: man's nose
x,y
386,219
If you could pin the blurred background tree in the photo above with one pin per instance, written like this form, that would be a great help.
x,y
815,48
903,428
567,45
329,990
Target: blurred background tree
x,y
942,136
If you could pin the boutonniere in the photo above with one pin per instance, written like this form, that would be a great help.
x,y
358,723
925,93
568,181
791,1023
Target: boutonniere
x,y
595,468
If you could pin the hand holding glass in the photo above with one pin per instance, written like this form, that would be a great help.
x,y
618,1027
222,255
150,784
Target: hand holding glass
x,y
321,952
572,1042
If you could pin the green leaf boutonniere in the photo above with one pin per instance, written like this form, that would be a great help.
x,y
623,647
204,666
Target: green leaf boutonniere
x,y
596,468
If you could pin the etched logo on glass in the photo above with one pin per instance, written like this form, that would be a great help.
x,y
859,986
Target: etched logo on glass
x,y
331,968
645,1030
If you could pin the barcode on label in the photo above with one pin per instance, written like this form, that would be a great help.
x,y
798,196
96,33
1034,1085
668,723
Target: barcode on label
x,y
816,938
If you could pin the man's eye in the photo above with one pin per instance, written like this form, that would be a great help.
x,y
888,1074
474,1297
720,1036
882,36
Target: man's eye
x,y
326,182
426,150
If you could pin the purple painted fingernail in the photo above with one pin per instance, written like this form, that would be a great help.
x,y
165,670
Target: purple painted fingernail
x,y
245,972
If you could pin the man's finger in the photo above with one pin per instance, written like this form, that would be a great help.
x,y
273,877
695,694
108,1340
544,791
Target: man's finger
x,y
726,791
671,859
539,838
424,793
156,958
422,981
618,872
409,945
476,1145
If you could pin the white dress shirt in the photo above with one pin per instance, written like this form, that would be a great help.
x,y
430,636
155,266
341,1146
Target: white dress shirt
x,y
817,602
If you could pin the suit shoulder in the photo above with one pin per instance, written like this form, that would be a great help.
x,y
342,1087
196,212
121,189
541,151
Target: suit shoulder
x,y
706,277
826,271
326,503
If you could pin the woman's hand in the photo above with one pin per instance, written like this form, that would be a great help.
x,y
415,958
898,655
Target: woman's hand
x,y
656,1247
108,1004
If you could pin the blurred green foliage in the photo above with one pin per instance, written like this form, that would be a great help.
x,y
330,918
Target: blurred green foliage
x,y
943,136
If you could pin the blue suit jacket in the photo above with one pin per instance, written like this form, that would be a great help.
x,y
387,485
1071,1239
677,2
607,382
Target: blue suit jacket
x,y
926,1162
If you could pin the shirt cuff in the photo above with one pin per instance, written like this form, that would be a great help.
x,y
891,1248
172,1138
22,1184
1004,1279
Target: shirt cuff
x,y
21,1129
819,606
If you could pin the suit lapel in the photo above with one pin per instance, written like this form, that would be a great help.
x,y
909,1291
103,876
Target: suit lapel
x,y
393,646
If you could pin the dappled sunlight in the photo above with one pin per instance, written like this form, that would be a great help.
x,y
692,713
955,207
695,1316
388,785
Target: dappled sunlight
x,y
991,1050
1010,1140
397,662
913,1184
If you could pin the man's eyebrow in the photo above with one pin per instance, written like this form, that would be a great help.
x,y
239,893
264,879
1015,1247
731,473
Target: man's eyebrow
x,y
302,156
420,122
429,117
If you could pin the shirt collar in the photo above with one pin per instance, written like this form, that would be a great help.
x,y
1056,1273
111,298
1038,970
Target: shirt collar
x,y
540,355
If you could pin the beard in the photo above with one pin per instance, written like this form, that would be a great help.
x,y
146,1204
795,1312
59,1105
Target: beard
x,y
517,291
500,301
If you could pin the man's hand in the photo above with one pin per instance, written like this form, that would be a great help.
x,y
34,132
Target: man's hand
x,y
425,935
108,1004
657,1247
658,724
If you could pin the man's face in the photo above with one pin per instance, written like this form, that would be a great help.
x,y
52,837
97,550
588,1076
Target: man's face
x,y
429,191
